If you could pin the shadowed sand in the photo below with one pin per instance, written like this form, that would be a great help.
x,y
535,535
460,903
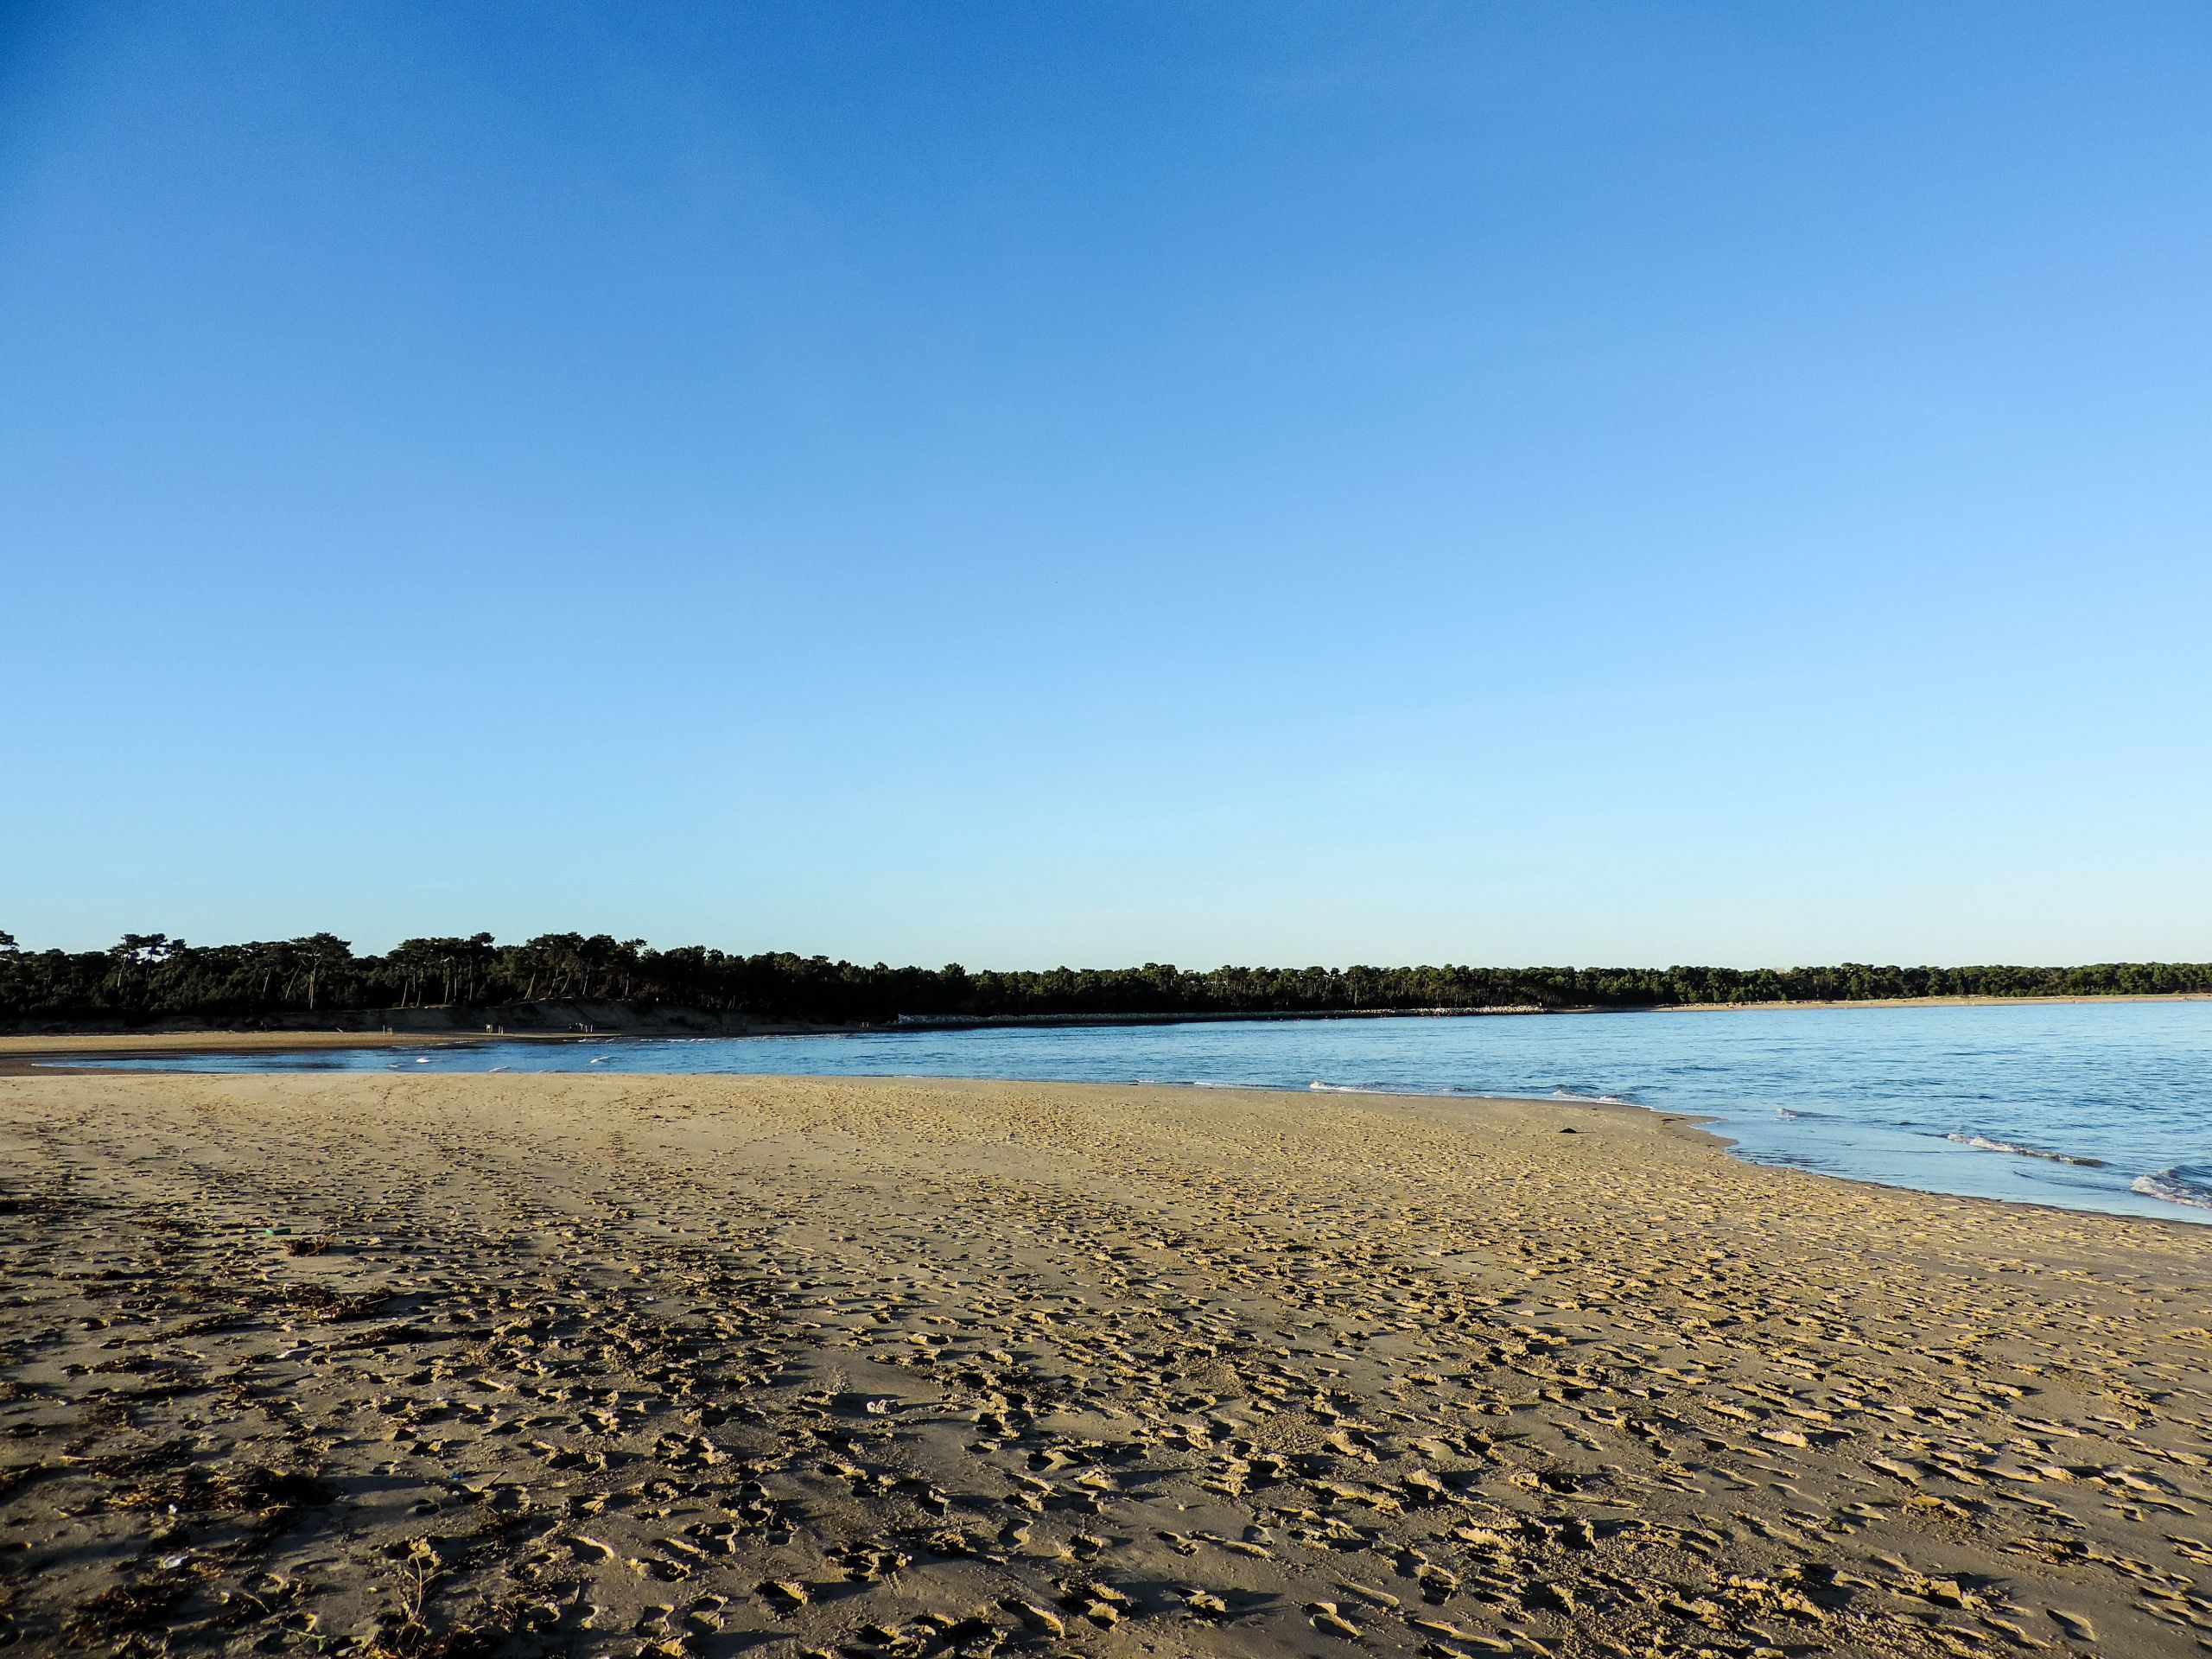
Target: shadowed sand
x,y
537,1363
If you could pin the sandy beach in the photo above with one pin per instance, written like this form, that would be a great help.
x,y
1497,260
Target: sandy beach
x,y
517,1364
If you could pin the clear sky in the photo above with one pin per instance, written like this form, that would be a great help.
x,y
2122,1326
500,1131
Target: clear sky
x,y
1027,483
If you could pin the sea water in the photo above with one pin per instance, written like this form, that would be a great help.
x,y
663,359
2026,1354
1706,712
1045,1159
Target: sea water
x,y
2102,1105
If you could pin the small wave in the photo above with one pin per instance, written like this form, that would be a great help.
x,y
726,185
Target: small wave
x,y
1592,1099
1318,1087
1983,1143
2189,1184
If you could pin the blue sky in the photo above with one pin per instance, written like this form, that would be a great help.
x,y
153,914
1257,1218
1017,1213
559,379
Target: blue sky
x,y
1093,483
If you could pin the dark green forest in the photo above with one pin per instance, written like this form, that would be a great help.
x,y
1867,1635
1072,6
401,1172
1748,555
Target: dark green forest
x,y
149,977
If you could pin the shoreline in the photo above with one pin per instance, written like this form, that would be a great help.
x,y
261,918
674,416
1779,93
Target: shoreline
x,y
680,1023
22,1062
1924,1002
216,1038
706,1364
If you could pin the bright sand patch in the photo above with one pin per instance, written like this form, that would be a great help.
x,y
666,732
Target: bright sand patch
x,y
741,1365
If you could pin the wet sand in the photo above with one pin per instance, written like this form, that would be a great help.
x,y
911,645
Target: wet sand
x,y
550,1363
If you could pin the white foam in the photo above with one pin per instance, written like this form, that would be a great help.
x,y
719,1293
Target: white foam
x,y
2188,1183
1983,1143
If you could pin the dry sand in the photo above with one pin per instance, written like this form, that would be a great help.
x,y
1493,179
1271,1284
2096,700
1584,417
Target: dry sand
x,y
784,1366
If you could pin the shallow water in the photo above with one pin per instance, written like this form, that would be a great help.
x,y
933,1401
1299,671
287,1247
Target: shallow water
x,y
2093,1106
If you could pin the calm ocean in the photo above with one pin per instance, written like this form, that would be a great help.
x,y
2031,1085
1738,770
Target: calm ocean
x,y
2094,1106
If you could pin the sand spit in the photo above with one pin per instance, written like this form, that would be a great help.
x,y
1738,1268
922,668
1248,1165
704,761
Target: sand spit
x,y
438,1366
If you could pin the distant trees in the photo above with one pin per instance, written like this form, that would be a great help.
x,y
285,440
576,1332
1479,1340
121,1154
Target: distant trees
x,y
316,953
151,975
454,965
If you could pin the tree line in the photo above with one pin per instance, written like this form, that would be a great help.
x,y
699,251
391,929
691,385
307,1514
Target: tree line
x,y
148,977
